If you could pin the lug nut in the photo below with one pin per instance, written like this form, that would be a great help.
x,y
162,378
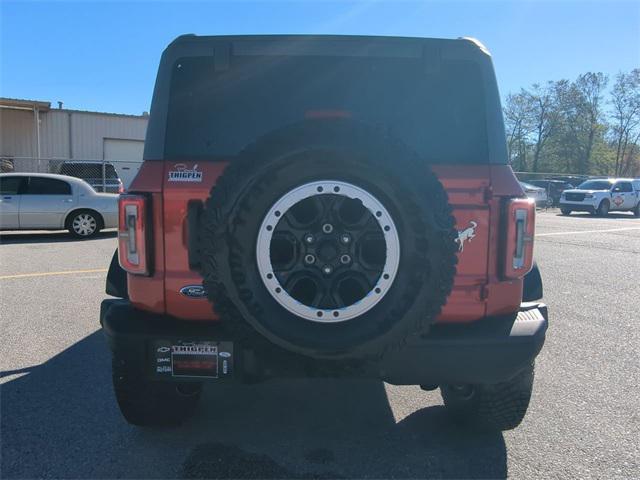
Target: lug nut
x,y
345,238
327,269
309,259
327,228
345,259
308,238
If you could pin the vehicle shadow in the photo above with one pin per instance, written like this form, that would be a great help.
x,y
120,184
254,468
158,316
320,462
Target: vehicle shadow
x,y
59,419
12,238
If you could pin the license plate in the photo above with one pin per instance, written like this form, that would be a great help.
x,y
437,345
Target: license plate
x,y
193,359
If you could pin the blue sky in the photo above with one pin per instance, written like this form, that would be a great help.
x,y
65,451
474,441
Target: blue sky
x,y
103,55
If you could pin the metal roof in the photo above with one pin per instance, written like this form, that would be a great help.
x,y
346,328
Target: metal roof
x,y
20,103
24,104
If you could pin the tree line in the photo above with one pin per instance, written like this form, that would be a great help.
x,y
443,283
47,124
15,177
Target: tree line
x,y
576,126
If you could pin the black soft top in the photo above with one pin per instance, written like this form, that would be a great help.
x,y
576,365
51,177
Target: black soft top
x,y
221,51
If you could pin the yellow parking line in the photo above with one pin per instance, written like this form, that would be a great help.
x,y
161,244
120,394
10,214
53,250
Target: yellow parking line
x,y
578,232
47,274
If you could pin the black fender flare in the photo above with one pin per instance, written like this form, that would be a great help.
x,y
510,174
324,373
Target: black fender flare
x,y
116,279
532,288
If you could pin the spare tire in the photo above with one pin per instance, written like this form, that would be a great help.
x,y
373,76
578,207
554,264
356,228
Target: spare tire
x,y
330,240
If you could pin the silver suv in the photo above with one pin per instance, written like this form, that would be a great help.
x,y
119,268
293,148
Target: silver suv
x,y
600,196
102,176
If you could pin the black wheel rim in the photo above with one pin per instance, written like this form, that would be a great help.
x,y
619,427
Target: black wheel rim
x,y
328,251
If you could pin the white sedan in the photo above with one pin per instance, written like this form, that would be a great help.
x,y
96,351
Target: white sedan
x,y
41,201
536,193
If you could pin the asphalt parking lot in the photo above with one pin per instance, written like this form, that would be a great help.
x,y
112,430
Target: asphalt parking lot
x,y
59,417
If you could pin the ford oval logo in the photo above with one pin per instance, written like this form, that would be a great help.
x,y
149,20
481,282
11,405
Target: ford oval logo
x,y
193,291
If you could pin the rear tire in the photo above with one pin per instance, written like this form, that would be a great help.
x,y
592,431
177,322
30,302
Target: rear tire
x,y
603,209
492,407
146,403
636,211
565,211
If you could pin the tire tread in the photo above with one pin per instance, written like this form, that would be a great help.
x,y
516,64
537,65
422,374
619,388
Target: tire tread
x,y
493,407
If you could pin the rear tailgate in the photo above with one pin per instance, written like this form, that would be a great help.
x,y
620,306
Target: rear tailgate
x,y
467,189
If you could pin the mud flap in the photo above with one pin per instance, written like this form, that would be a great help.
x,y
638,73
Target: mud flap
x,y
532,288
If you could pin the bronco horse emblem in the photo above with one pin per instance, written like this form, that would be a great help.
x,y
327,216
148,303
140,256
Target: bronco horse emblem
x,y
466,235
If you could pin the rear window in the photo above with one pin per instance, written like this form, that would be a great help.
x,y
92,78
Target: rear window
x,y
625,186
47,186
214,114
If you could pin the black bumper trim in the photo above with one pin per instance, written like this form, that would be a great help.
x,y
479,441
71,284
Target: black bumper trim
x,y
576,207
487,351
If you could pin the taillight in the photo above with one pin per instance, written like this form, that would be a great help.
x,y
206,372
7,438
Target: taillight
x,y
120,187
521,218
132,239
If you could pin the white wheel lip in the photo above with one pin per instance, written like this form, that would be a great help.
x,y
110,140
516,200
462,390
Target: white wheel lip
x,y
277,291
84,224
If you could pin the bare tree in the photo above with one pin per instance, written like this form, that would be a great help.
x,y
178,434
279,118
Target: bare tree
x,y
630,164
625,99
582,122
591,87
518,126
542,116
562,126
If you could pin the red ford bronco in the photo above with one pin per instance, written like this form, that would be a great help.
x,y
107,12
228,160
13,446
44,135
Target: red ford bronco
x,y
327,206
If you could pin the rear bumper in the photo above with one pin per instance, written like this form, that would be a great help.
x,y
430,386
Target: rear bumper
x,y
488,351
578,206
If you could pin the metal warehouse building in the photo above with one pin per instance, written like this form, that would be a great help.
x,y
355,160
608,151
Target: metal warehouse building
x,y
35,137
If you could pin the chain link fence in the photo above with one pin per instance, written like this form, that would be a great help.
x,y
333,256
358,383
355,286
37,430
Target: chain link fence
x,y
573,179
111,176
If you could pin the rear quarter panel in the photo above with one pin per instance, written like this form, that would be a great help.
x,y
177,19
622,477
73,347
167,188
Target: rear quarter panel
x,y
147,293
107,206
467,189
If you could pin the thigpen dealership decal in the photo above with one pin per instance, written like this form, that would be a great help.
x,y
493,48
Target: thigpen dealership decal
x,y
181,173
